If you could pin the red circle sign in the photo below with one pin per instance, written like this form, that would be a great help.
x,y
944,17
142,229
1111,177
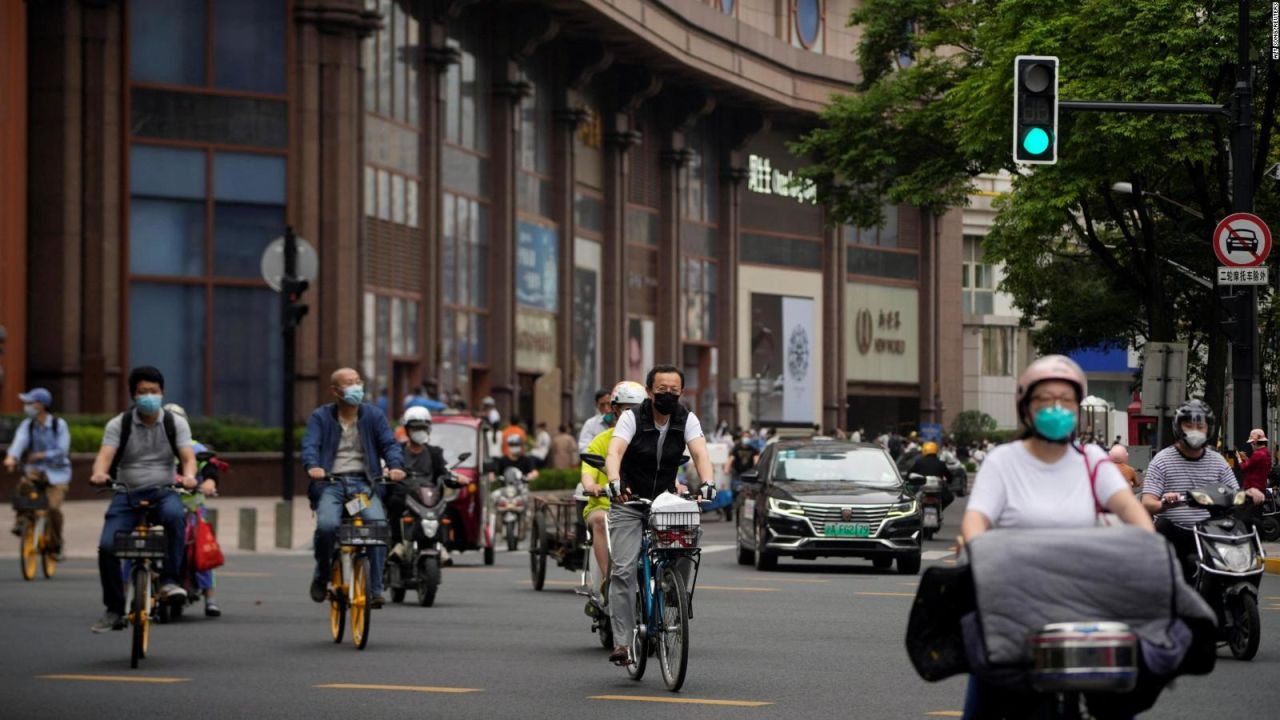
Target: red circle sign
x,y
1242,240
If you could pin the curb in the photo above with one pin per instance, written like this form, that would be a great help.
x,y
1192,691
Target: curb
x,y
1272,565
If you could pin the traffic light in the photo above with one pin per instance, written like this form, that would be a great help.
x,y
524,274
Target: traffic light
x,y
1035,110
292,289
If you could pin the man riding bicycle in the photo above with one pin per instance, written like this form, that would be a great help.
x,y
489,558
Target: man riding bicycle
x,y
626,395
347,439
42,445
138,448
643,465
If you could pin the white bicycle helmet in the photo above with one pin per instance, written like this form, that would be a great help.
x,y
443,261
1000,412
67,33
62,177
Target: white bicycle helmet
x,y
416,416
176,409
628,392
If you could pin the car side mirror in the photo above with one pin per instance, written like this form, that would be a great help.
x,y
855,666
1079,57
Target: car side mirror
x,y
593,461
750,477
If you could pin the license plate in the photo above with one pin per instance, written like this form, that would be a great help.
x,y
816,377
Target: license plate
x,y
356,504
852,530
931,517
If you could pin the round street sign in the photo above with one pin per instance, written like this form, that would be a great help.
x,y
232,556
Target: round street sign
x,y
1242,240
273,262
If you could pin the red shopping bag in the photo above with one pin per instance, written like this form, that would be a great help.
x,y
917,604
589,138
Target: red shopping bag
x,y
208,554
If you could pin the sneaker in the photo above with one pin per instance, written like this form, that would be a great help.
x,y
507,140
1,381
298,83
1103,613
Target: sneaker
x,y
211,609
318,589
620,656
19,527
376,602
109,621
172,591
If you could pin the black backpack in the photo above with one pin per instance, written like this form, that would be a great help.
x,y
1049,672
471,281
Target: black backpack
x,y
126,429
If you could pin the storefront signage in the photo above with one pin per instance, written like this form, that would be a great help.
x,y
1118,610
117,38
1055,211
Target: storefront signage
x,y
764,179
536,267
882,337
535,340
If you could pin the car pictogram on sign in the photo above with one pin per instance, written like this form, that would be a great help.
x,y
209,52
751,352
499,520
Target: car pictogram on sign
x,y
1242,240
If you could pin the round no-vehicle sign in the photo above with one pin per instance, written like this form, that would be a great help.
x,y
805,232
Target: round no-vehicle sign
x,y
1242,240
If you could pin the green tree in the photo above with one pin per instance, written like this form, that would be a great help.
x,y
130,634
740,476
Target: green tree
x,y
1086,265
971,426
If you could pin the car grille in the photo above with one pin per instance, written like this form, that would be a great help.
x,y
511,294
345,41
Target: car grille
x,y
820,515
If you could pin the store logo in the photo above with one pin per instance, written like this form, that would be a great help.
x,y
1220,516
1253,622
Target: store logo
x,y
862,331
798,353
764,179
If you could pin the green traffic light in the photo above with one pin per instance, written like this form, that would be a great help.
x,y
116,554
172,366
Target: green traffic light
x,y
1036,141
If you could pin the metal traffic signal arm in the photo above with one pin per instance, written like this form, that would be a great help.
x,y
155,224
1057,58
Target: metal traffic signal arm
x,y
1245,367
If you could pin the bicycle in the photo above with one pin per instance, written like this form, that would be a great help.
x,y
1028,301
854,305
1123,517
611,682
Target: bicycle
x,y
144,547
663,597
350,575
36,542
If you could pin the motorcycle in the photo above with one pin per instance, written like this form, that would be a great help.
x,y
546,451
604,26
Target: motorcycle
x,y
929,491
415,562
509,503
1268,521
1229,567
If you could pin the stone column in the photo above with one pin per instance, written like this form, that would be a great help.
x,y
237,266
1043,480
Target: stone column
x,y
834,412
567,120
437,57
504,385
733,173
669,330
327,169
618,141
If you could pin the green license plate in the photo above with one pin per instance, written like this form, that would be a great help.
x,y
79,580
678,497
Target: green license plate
x,y
851,530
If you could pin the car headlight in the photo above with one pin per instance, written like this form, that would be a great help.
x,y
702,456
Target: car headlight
x,y
430,526
1237,558
902,509
786,507
509,491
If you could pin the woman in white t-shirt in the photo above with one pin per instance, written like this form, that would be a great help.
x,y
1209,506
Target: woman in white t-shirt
x,y
1043,480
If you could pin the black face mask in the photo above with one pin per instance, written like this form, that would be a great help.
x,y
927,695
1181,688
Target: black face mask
x,y
666,403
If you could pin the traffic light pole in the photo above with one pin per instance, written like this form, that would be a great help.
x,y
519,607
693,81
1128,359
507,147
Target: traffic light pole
x,y
287,324
1246,411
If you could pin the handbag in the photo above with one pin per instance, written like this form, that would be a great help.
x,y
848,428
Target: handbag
x,y
208,555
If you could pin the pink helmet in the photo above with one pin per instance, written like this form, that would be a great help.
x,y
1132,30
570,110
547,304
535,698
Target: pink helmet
x,y
1119,455
1051,367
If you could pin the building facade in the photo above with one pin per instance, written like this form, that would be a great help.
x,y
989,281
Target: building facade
x,y
523,200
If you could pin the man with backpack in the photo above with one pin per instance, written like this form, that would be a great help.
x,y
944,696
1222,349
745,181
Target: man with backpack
x,y
138,448
42,445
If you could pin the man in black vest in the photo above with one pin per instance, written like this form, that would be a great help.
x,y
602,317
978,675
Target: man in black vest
x,y
642,463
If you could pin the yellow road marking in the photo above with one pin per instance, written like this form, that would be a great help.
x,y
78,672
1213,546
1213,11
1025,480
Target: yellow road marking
x,y
886,594
734,588
77,571
680,700
946,713
777,579
239,574
401,688
118,678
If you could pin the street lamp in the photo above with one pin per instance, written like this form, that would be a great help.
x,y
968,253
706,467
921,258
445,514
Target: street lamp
x,y
1125,188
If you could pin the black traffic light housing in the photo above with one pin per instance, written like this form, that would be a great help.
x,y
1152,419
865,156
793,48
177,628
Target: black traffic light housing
x,y
1035,110
292,288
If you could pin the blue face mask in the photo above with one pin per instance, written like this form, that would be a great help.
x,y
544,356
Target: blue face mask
x,y
353,394
1055,424
149,404
609,418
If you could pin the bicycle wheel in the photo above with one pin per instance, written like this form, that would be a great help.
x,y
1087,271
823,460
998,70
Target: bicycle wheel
x,y
49,561
140,611
360,598
30,552
337,603
673,636
639,642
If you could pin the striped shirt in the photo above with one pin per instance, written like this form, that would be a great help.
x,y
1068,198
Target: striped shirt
x,y
1171,471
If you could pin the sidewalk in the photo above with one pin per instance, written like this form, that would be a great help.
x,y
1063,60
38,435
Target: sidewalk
x,y
83,526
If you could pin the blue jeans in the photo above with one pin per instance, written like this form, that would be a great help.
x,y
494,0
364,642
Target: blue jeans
x,y
167,508
331,497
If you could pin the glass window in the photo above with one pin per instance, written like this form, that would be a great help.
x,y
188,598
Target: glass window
x,y
241,231
249,177
410,327
370,191
789,252
397,326
726,6
167,330
384,195
171,115
808,18
249,45
166,172
397,199
368,331
865,467
997,351
246,331
399,35
167,41
166,237
385,51
449,241
411,202
411,63
466,89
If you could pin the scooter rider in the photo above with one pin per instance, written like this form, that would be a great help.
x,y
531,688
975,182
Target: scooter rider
x,y
1179,468
625,396
644,465
930,465
420,458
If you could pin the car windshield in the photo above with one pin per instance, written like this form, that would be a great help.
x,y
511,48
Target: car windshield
x,y
861,466
455,440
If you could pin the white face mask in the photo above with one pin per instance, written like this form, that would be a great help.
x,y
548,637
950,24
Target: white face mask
x,y
419,437
1195,439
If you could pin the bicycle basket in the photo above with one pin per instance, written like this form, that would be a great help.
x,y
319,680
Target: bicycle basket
x,y
135,545
30,500
372,532
675,529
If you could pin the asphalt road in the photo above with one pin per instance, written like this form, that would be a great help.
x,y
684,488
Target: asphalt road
x,y
812,640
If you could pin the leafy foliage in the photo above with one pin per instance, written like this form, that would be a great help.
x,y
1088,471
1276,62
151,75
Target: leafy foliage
x,y
971,426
